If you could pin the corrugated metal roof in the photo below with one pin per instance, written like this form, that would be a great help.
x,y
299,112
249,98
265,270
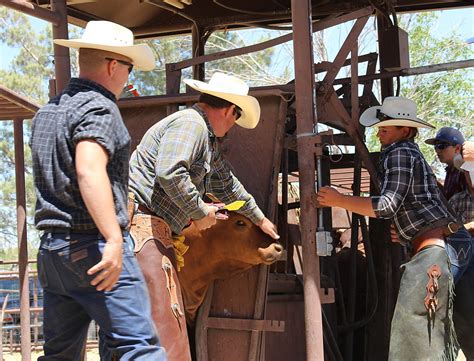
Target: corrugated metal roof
x,y
15,106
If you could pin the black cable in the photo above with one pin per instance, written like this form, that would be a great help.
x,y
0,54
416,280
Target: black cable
x,y
372,281
242,11
178,12
331,339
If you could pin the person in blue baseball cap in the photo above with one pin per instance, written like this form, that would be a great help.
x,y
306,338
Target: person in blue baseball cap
x,y
447,144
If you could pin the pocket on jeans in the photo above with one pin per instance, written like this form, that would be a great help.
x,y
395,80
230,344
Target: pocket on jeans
x,y
78,260
459,252
42,277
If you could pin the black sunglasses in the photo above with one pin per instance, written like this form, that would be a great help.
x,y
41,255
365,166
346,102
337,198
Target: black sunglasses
x,y
237,112
441,146
130,65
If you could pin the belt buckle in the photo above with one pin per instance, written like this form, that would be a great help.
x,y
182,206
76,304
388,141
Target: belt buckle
x,y
449,227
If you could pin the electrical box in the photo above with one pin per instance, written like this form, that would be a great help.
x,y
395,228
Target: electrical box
x,y
393,49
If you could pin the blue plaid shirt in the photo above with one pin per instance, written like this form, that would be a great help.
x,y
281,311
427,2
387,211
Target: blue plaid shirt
x,y
176,162
409,192
84,110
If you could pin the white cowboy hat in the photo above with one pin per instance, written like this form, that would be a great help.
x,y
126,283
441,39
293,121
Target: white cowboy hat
x,y
108,36
394,111
233,90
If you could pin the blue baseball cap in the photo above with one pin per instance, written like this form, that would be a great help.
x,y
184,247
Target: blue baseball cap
x,y
447,135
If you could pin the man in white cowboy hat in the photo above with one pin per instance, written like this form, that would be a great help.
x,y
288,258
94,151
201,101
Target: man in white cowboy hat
x,y
178,160
80,149
422,326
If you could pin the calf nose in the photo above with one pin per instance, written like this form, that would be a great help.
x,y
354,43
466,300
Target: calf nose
x,y
278,247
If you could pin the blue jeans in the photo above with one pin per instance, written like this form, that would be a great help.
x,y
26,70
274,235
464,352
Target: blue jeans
x,y
70,301
460,248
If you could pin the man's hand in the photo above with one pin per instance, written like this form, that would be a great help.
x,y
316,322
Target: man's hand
x,y
328,197
209,220
269,228
109,268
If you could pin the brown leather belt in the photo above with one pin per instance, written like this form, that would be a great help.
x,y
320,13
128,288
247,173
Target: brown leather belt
x,y
433,237
145,210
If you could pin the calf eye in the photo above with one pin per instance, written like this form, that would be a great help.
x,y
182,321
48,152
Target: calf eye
x,y
240,223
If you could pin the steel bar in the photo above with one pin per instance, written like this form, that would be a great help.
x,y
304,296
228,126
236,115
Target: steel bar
x,y
33,10
386,85
320,25
427,69
262,283
346,47
62,64
198,43
22,239
306,119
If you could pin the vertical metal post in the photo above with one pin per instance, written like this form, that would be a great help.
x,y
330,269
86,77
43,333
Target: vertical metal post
x,y
198,50
349,339
386,84
62,64
306,122
22,240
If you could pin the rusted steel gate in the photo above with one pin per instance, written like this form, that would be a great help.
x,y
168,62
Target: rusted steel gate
x,y
238,311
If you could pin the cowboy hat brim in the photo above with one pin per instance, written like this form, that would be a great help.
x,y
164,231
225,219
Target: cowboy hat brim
x,y
369,119
249,105
141,55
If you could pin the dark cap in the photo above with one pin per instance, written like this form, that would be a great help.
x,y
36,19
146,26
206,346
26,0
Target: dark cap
x,y
447,135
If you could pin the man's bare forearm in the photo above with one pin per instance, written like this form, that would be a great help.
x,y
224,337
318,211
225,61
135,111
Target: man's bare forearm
x,y
96,190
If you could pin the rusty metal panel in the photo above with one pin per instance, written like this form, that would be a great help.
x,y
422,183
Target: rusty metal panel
x,y
138,120
394,53
250,153
289,345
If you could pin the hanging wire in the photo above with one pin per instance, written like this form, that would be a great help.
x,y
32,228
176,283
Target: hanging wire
x,y
242,11
177,12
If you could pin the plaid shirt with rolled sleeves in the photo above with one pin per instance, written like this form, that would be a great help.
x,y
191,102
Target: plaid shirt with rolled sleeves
x,y
84,110
462,204
176,162
409,192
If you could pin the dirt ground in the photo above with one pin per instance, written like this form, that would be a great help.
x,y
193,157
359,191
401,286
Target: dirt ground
x,y
92,355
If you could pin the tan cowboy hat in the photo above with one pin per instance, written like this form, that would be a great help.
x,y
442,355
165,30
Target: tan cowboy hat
x,y
108,36
394,111
233,90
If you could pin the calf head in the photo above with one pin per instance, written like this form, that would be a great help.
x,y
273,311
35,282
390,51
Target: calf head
x,y
228,248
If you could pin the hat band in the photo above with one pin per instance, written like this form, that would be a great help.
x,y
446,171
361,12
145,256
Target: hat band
x,y
382,116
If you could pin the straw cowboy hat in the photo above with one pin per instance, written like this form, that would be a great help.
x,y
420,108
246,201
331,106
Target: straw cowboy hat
x,y
108,36
233,90
394,111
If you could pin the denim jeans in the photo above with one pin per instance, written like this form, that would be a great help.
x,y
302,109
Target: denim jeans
x,y
70,301
460,248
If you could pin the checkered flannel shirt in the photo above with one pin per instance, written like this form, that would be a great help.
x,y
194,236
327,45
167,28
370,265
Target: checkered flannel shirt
x,y
409,193
454,182
462,204
177,161
84,110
